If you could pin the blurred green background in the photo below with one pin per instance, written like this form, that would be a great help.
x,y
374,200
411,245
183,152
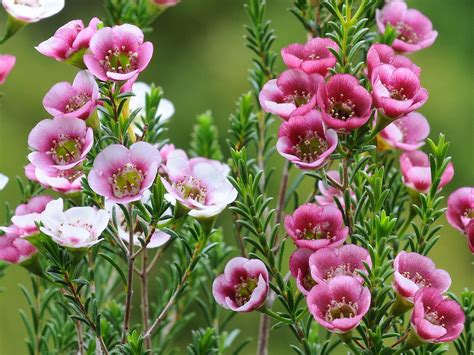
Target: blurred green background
x,y
201,63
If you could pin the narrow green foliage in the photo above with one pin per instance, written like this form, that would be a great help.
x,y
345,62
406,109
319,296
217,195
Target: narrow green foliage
x,y
205,138
243,123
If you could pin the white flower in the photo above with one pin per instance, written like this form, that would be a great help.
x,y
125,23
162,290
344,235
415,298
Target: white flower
x,y
32,10
78,227
3,181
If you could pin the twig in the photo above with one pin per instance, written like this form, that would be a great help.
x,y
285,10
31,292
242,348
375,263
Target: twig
x,y
145,301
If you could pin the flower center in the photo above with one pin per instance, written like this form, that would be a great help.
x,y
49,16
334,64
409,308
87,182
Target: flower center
x,y
396,94
314,56
343,269
433,317
192,189
341,108
120,61
127,181
308,282
406,33
29,3
76,102
243,291
417,278
310,147
299,98
66,150
70,175
341,309
469,213
314,233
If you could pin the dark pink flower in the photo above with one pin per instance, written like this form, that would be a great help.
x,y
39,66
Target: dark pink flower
x,y
407,133
14,249
414,271
414,29
328,263
61,143
344,103
123,175
299,268
470,235
292,94
7,62
36,204
243,287
461,208
397,91
340,304
118,53
78,100
304,141
68,40
312,57
315,227
379,54
416,171
435,319
63,181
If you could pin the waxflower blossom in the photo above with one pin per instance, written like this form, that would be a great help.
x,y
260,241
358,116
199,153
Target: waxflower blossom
x,y
344,103
3,181
460,211
312,57
61,143
63,181
118,53
77,227
416,172
340,304
292,94
199,185
328,263
414,271
36,204
435,319
78,100
123,175
243,287
470,235
166,3
304,141
14,249
414,30
7,62
315,227
379,54
299,268
328,193
407,133
69,41
32,10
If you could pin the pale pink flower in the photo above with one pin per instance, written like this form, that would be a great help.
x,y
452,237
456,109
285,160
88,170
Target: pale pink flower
x,y
397,91
315,227
77,227
305,142
461,208
36,204
165,150
344,103
30,172
328,263
32,10
312,57
69,41
7,62
436,319
61,143
407,133
78,100
292,94
414,30
243,287
416,171
327,193
340,304
118,53
63,181
379,54
299,268
14,249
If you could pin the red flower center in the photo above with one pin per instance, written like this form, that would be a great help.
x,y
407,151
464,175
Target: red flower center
x,y
310,146
120,61
340,108
406,33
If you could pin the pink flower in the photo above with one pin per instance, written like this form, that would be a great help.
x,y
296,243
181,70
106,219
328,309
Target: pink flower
x,y
165,150
60,143
397,91
379,54
36,204
328,263
470,235
14,249
414,29
299,268
32,10
407,133
7,62
304,141
344,103
340,304
123,175
166,3
414,271
415,167
315,227
243,286
461,208
435,319
77,227
198,184
118,53
327,193
63,181
71,39
78,100
30,172
312,57
292,94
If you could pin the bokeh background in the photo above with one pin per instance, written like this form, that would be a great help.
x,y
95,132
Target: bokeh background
x,y
201,63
